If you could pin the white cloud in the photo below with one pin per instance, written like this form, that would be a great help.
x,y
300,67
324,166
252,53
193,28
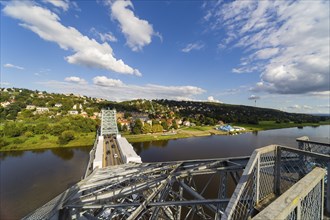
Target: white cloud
x,y
116,90
254,97
75,79
104,81
104,36
303,107
87,52
211,99
290,50
9,65
4,83
193,46
64,4
138,32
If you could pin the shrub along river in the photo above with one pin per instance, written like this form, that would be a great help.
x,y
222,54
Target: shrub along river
x,y
28,179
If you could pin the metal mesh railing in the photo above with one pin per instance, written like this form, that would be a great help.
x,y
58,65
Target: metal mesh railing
x,y
303,201
312,146
271,171
311,205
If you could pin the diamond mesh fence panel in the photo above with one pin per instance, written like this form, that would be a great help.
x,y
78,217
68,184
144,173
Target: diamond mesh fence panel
x,y
311,205
292,215
247,199
266,175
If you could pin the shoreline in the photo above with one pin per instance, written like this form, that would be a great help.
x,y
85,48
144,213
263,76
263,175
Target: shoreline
x,y
87,139
203,131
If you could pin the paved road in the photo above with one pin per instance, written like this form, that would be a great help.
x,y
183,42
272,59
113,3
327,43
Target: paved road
x,y
110,152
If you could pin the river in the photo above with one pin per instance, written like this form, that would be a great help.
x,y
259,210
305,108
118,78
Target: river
x,y
28,179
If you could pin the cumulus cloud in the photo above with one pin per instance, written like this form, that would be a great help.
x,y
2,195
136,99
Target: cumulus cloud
x,y
193,46
290,51
211,99
9,65
64,4
104,81
75,79
303,107
104,36
87,52
4,83
254,97
137,32
114,89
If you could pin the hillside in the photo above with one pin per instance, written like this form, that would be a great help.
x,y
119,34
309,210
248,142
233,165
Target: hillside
x,y
35,119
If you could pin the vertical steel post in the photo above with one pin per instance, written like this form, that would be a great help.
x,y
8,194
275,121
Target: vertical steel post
x,y
277,171
328,188
258,180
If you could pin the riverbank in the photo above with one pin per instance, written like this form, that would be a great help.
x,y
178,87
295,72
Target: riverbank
x,y
46,141
87,139
200,131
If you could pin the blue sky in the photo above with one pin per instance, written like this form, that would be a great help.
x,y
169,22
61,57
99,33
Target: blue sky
x,y
236,52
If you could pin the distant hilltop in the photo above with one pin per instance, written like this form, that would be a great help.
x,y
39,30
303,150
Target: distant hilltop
x,y
15,100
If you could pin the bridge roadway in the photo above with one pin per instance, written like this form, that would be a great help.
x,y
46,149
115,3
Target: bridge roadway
x,y
111,153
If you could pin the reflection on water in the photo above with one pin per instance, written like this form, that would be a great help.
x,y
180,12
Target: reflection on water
x,y
28,179
225,146
65,154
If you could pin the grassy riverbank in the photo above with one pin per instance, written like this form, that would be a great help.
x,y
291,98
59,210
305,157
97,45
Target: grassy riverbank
x,y
200,131
47,141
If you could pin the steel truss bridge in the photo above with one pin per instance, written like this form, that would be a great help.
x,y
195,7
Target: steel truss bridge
x,y
276,182
227,188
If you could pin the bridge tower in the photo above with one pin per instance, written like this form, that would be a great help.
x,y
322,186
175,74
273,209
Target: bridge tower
x,y
109,122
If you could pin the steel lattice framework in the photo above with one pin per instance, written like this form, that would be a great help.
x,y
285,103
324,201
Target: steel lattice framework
x,y
109,122
170,190
198,189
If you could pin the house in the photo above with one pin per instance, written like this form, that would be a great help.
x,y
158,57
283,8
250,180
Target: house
x,y
97,114
179,122
84,114
41,110
58,105
30,107
5,104
120,115
123,122
186,123
149,122
73,112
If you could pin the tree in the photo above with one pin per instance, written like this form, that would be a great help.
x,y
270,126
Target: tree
x,y
41,128
120,128
137,128
66,137
157,128
174,124
127,115
146,128
164,125
124,128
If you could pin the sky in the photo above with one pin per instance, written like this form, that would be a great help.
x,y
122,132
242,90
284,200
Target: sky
x,y
271,54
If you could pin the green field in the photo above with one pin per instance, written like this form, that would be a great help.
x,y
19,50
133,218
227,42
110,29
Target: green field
x,y
46,141
87,139
268,125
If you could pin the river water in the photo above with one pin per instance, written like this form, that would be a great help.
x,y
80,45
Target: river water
x,y
28,179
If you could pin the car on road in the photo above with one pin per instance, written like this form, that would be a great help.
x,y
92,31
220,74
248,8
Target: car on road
x,y
115,155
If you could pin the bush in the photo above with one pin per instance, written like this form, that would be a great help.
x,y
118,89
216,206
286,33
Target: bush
x,y
3,142
28,134
66,137
19,140
43,137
